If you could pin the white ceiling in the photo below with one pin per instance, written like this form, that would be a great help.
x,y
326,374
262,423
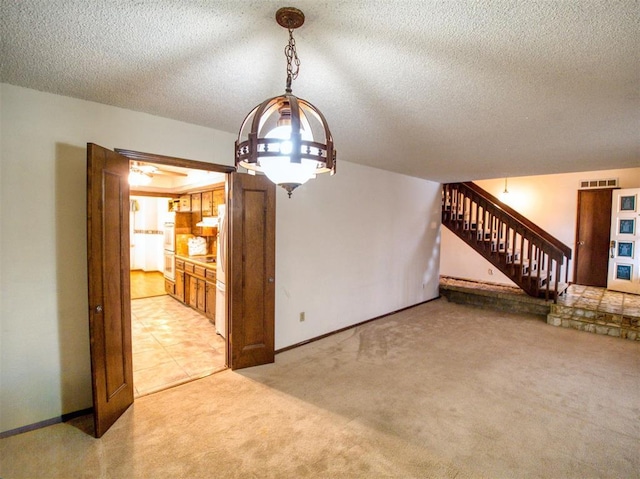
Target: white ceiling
x,y
445,90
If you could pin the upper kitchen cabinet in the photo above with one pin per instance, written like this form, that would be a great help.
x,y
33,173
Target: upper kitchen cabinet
x,y
207,204
218,199
210,201
196,202
185,203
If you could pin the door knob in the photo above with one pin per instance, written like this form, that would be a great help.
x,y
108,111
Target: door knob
x,y
99,309
581,243
271,280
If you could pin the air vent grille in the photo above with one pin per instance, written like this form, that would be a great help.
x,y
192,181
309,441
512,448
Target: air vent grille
x,y
599,183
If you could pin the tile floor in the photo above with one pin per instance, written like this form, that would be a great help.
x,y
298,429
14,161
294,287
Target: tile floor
x,y
601,299
172,344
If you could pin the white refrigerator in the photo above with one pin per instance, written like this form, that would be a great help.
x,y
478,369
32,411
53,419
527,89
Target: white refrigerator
x,y
221,261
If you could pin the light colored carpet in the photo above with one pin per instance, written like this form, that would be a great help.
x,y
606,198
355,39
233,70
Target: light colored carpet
x,y
437,391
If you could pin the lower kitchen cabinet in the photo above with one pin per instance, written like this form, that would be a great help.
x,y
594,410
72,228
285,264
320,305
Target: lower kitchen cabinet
x,y
201,297
179,286
197,297
192,288
210,306
195,286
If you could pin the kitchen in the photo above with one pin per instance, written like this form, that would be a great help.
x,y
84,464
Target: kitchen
x,y
178,226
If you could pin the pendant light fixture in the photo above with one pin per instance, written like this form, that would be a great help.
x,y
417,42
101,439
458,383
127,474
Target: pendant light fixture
x,y
286,137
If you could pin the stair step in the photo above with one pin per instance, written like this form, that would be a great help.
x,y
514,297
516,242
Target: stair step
x,y
562,287
541,279
513,257
526,262
466,226
499,247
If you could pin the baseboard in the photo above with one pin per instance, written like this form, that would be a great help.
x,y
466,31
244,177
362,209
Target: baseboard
x,y
326,335
45,423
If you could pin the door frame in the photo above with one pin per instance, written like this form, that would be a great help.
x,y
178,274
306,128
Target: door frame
x,y
195,165
122,285
174,161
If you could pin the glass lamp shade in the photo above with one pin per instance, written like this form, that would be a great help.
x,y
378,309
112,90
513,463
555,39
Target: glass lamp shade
x,y
280,169
287,139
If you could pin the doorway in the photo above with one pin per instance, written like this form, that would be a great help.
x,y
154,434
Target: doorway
x,y
592,237
250,269
172,343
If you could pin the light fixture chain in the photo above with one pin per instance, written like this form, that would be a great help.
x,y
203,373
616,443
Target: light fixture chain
x,y
293,62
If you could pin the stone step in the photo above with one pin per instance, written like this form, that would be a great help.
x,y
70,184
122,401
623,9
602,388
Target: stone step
x,y
581,323
506,298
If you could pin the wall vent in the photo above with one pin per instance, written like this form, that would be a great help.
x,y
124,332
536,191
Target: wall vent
x,y
601,183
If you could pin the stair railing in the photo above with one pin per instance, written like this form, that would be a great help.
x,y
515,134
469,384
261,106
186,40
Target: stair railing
x,y
531,257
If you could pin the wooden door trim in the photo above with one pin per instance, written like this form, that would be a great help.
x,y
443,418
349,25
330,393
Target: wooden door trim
x,y
172,161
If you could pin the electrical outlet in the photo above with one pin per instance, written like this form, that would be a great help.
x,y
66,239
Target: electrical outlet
x,y
302,316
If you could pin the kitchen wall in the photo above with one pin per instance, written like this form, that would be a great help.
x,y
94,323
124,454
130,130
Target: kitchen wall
x,y
350,247
550,201
146,222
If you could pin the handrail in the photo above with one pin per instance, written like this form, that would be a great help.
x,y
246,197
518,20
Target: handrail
x,y
519,248
552,240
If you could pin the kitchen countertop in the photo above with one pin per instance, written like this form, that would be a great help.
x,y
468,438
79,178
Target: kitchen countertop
x,y
208,261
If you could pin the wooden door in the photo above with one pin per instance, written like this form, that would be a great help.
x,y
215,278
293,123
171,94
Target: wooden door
x,y
624,262
109,294
592,237
251,266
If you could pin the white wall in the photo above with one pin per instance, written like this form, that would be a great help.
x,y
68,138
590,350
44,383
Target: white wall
x,y
550,201
147,249
354,246
45,348
373,236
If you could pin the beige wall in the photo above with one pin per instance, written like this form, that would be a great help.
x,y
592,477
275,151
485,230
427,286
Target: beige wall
x,y
350,247
354,246
551,201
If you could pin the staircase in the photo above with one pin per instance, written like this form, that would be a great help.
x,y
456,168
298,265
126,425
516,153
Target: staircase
x,y
529,256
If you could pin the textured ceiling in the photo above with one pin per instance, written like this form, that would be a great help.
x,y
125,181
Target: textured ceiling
x,y
445,90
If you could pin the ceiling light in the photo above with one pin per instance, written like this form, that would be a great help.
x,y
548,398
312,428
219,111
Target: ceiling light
x,y
139,175
286,137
